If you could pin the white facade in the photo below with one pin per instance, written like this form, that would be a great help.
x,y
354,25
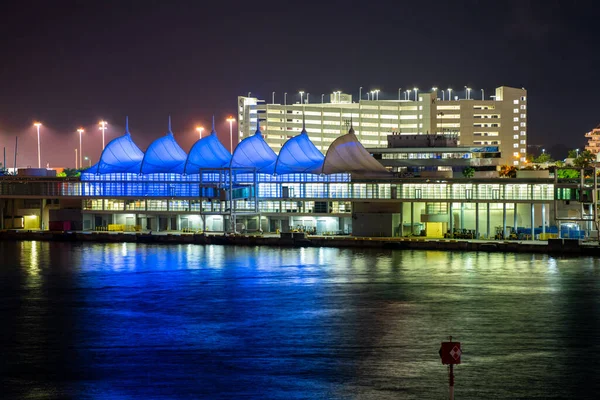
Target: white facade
x,y
499,122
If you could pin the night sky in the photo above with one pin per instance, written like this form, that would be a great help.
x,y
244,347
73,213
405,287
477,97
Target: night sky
x,y
71,63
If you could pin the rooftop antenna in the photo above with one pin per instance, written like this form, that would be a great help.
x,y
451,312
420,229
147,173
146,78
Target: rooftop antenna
x,y
170,131
126,124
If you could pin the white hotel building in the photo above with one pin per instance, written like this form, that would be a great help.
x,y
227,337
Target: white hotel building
x,y
501,121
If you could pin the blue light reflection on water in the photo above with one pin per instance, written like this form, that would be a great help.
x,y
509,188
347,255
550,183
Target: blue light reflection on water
x,y
187,321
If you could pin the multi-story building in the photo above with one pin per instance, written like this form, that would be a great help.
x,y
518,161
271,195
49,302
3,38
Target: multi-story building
x,y
501,121
593,137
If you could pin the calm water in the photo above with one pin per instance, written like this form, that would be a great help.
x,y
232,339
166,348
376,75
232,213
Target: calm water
x,y
129,321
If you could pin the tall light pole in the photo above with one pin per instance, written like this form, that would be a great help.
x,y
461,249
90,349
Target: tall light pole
x,y
377,93
482,95
103,128
449,94
399,92
435,91
231,120
301,94
76,159
407,94
86,158
37,125
416,91
468,89
360,93
368,96
80,131
273,100
443,95
307,94
322,97
199,129
285,99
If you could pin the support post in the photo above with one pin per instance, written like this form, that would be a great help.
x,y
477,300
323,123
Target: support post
x,y
462,215
451,220
488,220
532,221
503,220
515,221
544,219
412,218
476,221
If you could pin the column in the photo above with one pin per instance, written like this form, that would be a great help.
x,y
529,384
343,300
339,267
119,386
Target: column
x,y
515,222
544,219
462,216
532,221
488,220
41,214
451,219
477,220
504,220
412,217
401,219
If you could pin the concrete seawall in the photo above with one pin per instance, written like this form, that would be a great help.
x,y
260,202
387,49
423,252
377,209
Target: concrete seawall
x,y
553,246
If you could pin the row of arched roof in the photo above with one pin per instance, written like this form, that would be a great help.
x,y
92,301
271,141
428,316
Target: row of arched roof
x,y
298,155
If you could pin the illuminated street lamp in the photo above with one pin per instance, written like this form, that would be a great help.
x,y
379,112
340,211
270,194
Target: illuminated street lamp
x,y
449,94
407,94
360,93
307,94
103,128
231,120
416,91
468,89
273,100
301,94
322,97
89,160
285,99
37,125
80,131
377,93
399,93
482,95
199,129
434,89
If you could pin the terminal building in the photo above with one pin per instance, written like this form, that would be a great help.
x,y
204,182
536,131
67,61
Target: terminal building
x,y
344,191
500,121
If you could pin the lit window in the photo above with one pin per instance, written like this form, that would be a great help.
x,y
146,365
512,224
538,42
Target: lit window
x,y
516,119
516,110
515,101
523,98
516,154
516,145
523,133
515,128
420,98
523,124
523,115
515,136
420,107
515,162
523,142
522,150
523,107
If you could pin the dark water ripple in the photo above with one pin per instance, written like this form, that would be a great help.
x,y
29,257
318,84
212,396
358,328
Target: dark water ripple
x,y
127,321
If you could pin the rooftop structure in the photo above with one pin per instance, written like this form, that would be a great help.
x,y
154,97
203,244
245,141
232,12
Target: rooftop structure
x,y
499,121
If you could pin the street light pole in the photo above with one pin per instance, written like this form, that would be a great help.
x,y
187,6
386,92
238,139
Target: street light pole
x,y
80,130
231,120
307,101
416,91
200,129
449,94
76,159
322,96
360,94
301,94
273,101
285,99
482,95
103,128
37,125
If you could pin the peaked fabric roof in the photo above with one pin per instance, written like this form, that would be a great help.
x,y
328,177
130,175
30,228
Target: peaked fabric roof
x,y
120,155
299,155
207,152
346,154
164,155
254,152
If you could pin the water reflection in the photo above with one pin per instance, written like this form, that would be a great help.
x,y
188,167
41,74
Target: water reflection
x,y
136,321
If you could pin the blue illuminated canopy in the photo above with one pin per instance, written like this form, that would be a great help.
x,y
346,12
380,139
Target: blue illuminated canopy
x,y
299,155
164,155
254,152
207,152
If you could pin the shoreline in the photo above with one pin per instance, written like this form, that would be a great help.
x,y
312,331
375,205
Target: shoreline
x,y
552,246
